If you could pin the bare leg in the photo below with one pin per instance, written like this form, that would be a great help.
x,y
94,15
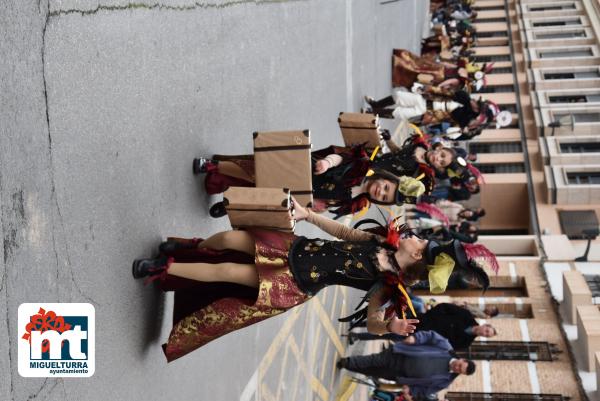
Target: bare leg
x,y
236,240
233,170
237,273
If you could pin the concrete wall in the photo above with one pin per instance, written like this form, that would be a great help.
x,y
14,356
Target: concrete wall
x,y
575,293
588,334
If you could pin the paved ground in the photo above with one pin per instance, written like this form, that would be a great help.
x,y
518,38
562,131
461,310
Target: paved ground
x,y
103,105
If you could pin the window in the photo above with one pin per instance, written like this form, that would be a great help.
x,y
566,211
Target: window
x,y
495,58
502,70
560,35
504,231
587,117
501,168
493,34
495,147
574,222
593,281
489,8
566,53
584,178
509,351
572,75
554,7
483,19
580,147
461,396
500,286
518,311
572,21
497,89
580,98
580,117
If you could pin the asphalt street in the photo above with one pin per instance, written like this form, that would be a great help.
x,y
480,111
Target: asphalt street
x,y
103,106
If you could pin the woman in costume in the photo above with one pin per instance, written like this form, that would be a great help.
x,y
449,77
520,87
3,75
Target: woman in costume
x,y
344,180
284,271
408,69
416,158
457,213
453,44
429,222
453,107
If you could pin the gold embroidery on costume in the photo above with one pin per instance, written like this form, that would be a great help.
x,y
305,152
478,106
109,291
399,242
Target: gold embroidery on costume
x,y
277,293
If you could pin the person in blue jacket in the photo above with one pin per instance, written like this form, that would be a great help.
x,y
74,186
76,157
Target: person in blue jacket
x,y
425,361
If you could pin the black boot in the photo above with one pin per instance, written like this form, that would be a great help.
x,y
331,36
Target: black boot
x,y
350,336
202,165
176,244
384,113
150,267
217,210
381,103
341,363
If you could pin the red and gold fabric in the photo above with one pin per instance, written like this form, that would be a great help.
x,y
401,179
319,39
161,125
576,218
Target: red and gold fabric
x,y
237,306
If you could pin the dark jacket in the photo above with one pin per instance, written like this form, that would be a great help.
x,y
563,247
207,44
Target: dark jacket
x,y
429,344
335,185
450,321
463,115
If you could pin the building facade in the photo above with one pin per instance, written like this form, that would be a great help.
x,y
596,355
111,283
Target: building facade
x,y
542,198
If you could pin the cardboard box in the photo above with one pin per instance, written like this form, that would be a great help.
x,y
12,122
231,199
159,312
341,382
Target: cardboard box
x,y
282,160
359,129
259,207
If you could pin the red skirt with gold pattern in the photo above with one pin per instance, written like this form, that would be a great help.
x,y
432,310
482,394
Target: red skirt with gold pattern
x,y
206,311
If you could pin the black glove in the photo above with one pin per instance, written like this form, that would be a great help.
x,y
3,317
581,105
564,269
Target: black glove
x,y
385,134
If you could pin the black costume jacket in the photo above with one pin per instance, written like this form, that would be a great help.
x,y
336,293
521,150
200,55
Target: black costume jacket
x,y
318,263
450,321
403,162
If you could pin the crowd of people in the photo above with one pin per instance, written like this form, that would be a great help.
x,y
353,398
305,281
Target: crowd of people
x,y
236,278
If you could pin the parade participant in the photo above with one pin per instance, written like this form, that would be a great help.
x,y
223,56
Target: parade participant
x,y
451,321
286,270
488,312
463,190
429,211
457,213
445,220
425,361
459,108
456,324
344,181
451,45
408,69
450,264
450,213
466,232
415,158
470,114
429,228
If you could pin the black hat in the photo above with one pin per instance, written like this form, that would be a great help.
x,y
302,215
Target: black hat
x,y
453,248
463,256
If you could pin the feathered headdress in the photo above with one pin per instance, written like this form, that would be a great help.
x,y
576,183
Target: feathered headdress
x,y
433,211
445,258
476,173
392,283
482,254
